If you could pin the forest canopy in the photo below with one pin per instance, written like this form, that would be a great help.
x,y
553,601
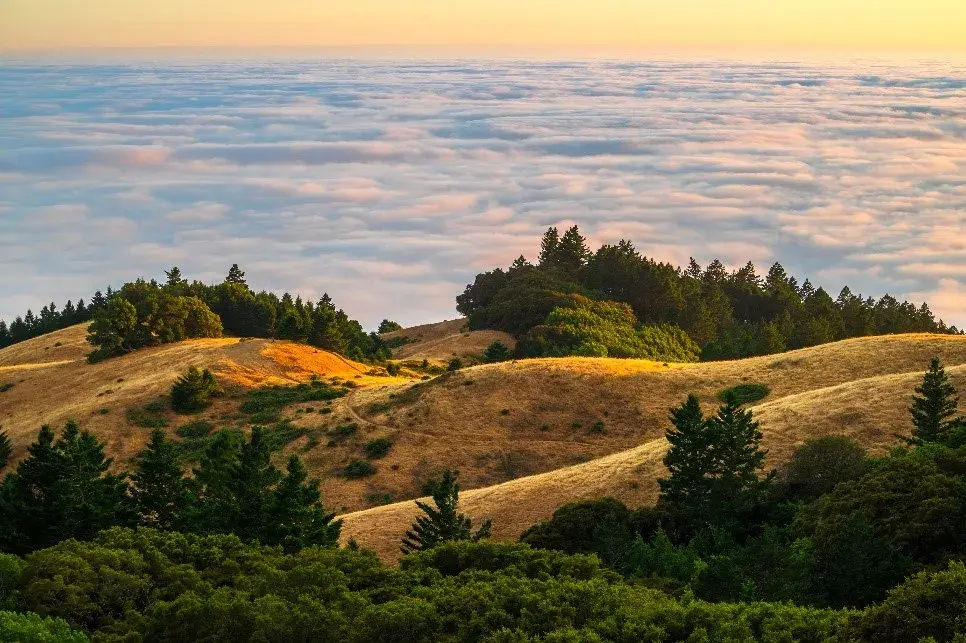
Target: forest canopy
x,y
573,298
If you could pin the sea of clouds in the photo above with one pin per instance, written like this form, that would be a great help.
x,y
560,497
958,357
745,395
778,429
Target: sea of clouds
x,y
390,184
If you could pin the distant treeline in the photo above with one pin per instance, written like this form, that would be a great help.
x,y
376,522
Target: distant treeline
x,y
142,313
727,314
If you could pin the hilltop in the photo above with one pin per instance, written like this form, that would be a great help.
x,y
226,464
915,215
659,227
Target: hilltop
x,y
442,341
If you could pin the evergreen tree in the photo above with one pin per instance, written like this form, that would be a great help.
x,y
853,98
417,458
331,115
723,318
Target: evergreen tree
x,y
548,248
388,326
5,339
496,352
6,449
175,284
714,465
443,522
254,478
295,516
213,508
193,390
236,276
572,252
933,409
61,490
158,485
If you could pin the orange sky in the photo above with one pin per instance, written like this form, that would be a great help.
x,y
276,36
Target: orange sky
x,y
874,25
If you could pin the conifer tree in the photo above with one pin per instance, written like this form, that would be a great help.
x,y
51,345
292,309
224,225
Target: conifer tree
x,y
254,478
158,485
714,464
572,251
443,522
192,391
235,276
496,352
61,490
295,516
933,409
6,449
5,339
548,248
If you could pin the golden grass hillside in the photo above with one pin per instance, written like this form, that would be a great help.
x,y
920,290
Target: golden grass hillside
x,y
858,387
442,341
49,382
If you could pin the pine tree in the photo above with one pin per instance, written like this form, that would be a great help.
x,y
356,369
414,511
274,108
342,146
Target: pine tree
x,y
548,248
714,464
254,478
496,352
295,516
572,251
442,523
61,490
235,276
175,284
5,338
213,507
192,391
6,449
158,485
688,459
933,409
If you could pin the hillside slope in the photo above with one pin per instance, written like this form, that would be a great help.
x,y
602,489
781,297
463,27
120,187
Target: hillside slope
x,y
858,387
443,341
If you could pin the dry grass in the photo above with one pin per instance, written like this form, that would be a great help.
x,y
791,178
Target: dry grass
x,y
529,419
857,387
443,341
98,396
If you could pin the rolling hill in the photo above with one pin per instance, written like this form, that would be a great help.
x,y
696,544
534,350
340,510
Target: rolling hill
x,y
526,436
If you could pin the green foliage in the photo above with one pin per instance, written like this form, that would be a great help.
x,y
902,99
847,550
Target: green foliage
x,y
193,390
929,604
819,465
442,523
265,404
744,393
32,628
933,407
727,314
387,326
496,352
195,429
582,326
393,368
343,432
158,486
358,469
455,364
149,585
11,573
6,387
604,527
378,448
713,465
6,449
61,490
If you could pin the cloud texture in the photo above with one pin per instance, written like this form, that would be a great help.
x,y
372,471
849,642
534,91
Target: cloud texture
x,y
390,184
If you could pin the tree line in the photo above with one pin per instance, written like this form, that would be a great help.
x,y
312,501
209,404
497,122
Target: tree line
x,y
728,314
143,313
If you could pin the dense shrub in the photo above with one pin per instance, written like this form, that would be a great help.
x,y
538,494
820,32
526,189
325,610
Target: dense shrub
x,y
585,327
378,448
819,465
496,352
193,390
744,393
358,469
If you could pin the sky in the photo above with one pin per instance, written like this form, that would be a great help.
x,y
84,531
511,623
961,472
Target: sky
x,y
560,25
390,183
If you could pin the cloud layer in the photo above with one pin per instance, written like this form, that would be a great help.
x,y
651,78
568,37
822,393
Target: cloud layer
x,y
390,184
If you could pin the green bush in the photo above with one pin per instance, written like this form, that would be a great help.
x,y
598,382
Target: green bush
x,y
359,469
455,364
378,448
265,404
193,390
6,387
819,465
195,429
146,419
496,352
744,393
